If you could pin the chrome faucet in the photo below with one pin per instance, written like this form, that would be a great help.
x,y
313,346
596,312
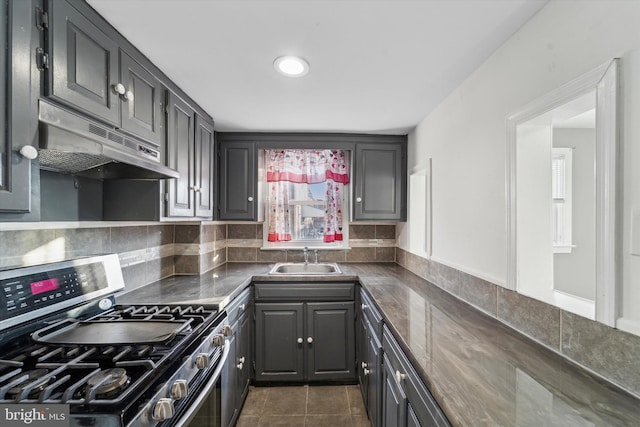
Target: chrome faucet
x,y
315,254
306,255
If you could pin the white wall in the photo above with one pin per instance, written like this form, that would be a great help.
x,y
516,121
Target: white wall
x,y
466,134
535,251
574,272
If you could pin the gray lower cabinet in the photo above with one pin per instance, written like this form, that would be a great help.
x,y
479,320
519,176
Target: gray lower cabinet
x,y
309,341
394,400
380,182
406,400
372,374
237,181
279,342
236,374
229,389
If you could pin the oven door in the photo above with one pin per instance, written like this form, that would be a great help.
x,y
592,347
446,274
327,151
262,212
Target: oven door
x,y
206,409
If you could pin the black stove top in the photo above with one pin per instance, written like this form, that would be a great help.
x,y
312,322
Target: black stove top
x,y
96,374
64,341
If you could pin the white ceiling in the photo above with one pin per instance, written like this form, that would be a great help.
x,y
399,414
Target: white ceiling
x,y
376,65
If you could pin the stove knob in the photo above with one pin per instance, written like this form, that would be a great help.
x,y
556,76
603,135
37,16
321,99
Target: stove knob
x,y
179,389
202,361
163,409
218,340
226,330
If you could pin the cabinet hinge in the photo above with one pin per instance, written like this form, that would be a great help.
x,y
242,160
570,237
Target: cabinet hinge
x,y
42,59
165,198
42,19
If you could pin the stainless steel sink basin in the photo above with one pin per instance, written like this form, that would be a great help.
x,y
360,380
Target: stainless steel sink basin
x,y
302,269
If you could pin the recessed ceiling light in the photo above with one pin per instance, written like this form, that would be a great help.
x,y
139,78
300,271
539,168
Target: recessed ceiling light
x,y
291,66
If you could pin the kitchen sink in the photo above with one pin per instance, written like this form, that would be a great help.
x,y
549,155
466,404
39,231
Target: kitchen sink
x,y
302,269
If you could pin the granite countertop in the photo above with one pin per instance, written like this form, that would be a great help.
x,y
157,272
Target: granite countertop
x,y
481,372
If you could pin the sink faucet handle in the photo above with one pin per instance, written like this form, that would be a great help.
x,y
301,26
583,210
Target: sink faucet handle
x,y
315,254
306,255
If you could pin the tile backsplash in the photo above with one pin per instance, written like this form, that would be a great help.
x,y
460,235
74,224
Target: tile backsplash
x,y
368,243
150,252
146,252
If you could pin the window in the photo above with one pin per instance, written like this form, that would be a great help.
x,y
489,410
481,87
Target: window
x,y
306,198
561,170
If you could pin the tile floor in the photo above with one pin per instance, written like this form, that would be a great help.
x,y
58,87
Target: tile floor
x,y
329,406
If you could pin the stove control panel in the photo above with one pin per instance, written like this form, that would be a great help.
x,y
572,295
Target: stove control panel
x,y
23,294
32,291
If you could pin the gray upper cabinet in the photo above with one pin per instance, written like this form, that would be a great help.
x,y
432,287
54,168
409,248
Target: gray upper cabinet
x,y
204,155
237,183
190,151
141,104
19,177
380,182
84,64
90,73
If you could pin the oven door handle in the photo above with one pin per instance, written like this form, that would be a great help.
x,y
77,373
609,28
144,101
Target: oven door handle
x,y
204,393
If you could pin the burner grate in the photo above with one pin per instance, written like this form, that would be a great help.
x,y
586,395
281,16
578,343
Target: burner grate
x,y
119,372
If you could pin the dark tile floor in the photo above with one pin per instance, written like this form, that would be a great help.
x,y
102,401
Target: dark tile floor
x,y
304,406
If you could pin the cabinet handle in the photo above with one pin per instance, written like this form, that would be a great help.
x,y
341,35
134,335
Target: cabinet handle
x,y
358,199
400,376
309,340
363,307
241,360
127,96
365,371
242,307
250,199
29,152
119,89
364,365
299,340
240,366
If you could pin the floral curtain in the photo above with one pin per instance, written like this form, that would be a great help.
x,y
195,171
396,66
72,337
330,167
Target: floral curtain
x,y
285,167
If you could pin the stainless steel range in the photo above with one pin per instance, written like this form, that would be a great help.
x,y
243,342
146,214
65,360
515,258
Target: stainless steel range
x,y
65,341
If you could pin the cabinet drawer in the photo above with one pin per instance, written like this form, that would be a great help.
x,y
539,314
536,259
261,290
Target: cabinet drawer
x,y
371,313
239,305
422,402
325,291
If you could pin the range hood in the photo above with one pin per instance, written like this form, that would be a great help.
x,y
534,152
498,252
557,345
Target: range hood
x,y
71,143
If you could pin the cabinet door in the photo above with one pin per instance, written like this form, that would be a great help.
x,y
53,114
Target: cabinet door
x,y
412,418
238,181
229,387
18,110
380,182
393,399
361,354
204,146
330,341
141,103
243,349
180,147
374,378
279,354
85,64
